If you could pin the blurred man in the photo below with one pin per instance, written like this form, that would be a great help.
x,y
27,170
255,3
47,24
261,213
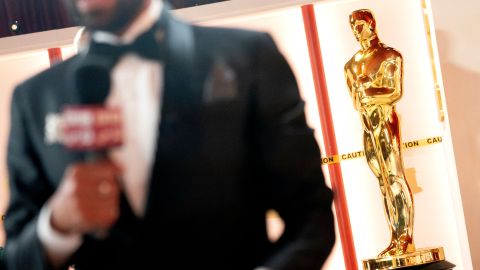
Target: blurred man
x,y
214,136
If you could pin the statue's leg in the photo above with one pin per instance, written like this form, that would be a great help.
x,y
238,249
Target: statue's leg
x,y
375,165
371,156
399,200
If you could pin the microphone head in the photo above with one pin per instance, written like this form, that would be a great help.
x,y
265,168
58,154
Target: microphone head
x,y
89,125
91,79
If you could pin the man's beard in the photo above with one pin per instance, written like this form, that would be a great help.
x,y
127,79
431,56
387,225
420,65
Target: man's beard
x,y
114,21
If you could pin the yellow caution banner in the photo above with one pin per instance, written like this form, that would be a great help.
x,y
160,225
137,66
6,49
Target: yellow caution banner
x,y
406,145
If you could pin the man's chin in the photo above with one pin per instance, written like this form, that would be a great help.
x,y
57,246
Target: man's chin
x,y
97,21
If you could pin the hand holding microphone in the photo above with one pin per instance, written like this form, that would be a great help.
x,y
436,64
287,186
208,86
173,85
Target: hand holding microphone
x,y
87,200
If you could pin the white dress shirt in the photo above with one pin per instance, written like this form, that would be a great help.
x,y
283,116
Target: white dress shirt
x,y
136,88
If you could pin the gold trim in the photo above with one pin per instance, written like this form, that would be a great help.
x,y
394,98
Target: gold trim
x,y
418,257
438,93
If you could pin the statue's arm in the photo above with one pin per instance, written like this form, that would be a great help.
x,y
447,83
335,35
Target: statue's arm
x,y
352,86
386,88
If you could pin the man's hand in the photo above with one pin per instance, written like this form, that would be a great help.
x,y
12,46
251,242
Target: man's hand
x,y
88,198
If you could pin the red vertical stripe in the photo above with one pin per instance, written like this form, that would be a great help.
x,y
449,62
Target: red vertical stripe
x,y
55,56
323,102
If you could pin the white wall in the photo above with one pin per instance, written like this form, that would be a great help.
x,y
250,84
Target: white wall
x,y
458,37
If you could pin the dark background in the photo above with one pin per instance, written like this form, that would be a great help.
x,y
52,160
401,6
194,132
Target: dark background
x,y
41,15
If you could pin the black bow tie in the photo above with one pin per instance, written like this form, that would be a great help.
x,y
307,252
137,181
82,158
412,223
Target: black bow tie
x,y
148,45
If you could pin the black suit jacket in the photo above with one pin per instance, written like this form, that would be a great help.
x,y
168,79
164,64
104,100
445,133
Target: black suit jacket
x,y
232,144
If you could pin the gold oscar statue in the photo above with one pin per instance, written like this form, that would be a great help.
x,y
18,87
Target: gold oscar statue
x,y
374,78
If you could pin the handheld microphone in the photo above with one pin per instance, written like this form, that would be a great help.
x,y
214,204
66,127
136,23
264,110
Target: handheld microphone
x,y
92,127
91,79
88,126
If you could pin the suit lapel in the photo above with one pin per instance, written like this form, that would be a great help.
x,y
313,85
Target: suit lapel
x,y
180,105
179,93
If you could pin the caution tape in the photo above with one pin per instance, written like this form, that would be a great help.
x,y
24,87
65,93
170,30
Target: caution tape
x,y
358,154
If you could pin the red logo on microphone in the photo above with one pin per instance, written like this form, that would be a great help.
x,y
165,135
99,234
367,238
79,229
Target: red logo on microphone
x,y
91,127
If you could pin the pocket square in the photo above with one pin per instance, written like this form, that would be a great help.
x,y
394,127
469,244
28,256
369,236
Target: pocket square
x,y
221,83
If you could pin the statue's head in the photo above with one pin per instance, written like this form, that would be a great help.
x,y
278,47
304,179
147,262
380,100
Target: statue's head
x,y
363,24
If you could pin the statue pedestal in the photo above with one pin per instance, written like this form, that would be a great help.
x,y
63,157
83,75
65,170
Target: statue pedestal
x,y
425,258
442,265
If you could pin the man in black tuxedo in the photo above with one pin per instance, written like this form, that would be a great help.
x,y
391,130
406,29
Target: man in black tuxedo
x,y
215,136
